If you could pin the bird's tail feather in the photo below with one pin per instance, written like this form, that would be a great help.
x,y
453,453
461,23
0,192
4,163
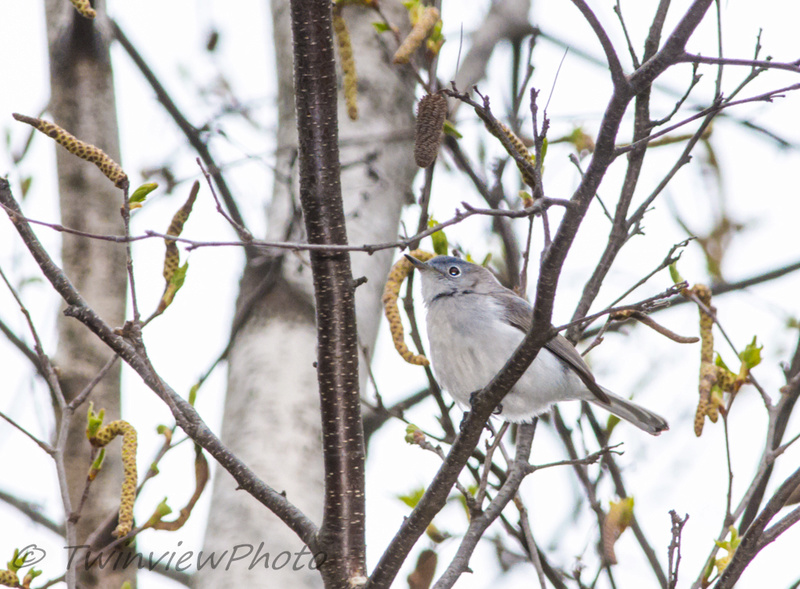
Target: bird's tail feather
x,y
642,418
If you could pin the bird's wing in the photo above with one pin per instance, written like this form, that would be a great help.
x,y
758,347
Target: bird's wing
x,y
561,347
518,313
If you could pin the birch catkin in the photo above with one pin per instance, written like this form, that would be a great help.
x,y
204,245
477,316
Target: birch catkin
x,y
100,439
422,28
348,62
431,113
86,151
172,256
84,7
391,293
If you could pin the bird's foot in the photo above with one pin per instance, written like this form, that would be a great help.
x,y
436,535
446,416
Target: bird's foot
x,y
497,410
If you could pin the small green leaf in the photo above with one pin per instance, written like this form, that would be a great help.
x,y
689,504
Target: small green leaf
x,y
381,27
17,561
163,509
486,260
674,274
98,462
751,357
709,568
140,194
439,239
412,498
450,129
193,393
612,422
718,361
179,276
25,185
94,421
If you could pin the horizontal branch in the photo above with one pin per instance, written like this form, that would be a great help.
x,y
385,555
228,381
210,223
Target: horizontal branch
x,y
401,244
754,63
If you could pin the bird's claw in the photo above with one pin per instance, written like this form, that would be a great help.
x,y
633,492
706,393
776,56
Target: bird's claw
x,y
497,410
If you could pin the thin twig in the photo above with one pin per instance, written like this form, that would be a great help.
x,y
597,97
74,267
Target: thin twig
x,y
674,551
43,445
190,131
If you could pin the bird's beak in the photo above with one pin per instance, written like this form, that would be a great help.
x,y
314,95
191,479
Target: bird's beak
x,y
420,265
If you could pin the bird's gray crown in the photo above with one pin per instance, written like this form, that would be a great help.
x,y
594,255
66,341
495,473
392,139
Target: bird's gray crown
x,y
445,276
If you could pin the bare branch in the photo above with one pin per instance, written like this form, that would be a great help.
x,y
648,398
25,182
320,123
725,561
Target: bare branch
x,y
32,511
43,445
617,74
479,524
675,548
189,131
755,63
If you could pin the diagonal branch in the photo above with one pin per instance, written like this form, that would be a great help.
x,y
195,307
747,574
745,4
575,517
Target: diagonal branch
x,y
185,415
541,331
479,523
617,74
189,131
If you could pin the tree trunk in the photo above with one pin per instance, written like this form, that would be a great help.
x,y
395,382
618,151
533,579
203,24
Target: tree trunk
x,y
272,416
82,102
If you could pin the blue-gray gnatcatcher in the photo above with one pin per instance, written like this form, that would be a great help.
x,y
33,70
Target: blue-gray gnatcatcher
x,y
474,326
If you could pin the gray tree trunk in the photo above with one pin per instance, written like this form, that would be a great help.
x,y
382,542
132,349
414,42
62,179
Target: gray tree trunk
x,y
272,418
82,102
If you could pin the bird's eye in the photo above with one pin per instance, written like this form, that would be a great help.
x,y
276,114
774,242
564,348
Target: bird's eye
x,y
454,271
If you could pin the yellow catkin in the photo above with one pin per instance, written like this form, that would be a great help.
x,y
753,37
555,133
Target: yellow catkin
x,y
520,148
111,169
9,579
421,29
350,77
172,256
706,406
391,293
84,7
431,113
128,495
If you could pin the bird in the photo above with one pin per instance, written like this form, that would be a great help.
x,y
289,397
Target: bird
x,y
475,324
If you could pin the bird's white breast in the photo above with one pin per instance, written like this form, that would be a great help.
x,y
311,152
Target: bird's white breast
x,y
470,344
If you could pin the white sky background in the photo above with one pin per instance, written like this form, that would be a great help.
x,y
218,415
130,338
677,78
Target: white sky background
x,y
676,471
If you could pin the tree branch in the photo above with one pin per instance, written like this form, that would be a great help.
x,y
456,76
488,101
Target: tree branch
x,y
185,415
754,63
478,525
617,74
189,131
342,531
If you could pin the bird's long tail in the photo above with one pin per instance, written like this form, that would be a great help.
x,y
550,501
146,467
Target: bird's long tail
x,y
642,418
